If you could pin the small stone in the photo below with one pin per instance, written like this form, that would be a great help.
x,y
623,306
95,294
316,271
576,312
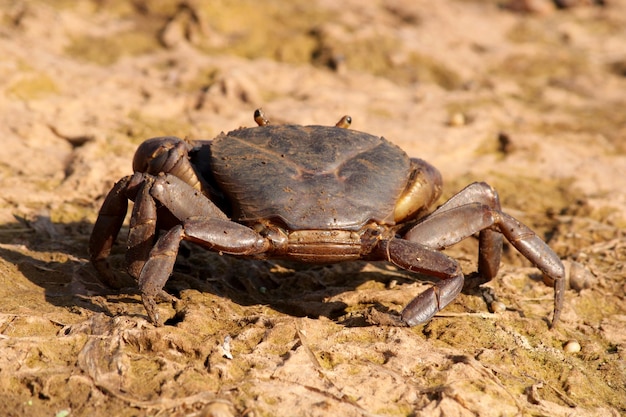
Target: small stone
x,y
580,278
572,346
218,409
497,307
577,276
457,119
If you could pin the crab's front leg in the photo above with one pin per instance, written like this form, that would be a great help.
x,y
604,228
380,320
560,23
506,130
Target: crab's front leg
x,y
454,222
415,257
142,227
201,222
106,229
489,241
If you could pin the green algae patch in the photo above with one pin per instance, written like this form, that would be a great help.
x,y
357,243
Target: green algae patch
x,y
454,332
287,32
535,72
33,86
542,66
273,29
206,77
280,338
141,127
29,326
374,55
540,196
586,305
108,50
535,31
603,125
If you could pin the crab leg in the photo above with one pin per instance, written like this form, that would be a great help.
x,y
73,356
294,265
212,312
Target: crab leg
x,y
489,241
418,258
105,230
142,229
202,223
462,221
157,270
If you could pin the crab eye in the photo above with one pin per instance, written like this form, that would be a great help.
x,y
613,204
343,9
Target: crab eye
x,y
344,122
260,119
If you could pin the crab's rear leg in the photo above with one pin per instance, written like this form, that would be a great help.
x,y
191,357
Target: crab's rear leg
x,y
106,229
200,222
454,222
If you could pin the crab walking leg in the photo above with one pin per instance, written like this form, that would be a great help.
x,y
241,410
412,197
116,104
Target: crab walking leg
x,y
202,223
216,234
182,199
106,229
157,270
463,221
540,254
418,258
489,241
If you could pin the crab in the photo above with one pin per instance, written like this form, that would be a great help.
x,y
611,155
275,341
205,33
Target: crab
x,y
314,194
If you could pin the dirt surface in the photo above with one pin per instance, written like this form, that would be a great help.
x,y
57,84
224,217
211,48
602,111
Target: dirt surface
x,y
521,94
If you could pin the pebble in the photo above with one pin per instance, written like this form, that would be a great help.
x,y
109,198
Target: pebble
x,y
577,276
457,119
497,307
572,346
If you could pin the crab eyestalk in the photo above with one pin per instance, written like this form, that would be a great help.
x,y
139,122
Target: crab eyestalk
x,y
344,122
260,119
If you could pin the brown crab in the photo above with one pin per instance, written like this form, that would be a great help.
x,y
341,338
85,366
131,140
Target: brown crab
x,y
314,194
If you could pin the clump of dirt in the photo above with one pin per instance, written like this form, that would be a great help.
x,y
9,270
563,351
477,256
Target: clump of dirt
x,y
527,97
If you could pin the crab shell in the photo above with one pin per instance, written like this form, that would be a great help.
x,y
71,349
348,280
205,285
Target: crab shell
x,y
316,177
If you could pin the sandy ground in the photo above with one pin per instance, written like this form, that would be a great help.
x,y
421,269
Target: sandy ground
x,y
529,98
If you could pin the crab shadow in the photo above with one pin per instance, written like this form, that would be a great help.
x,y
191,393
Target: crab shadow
x,y
54,257
292,288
